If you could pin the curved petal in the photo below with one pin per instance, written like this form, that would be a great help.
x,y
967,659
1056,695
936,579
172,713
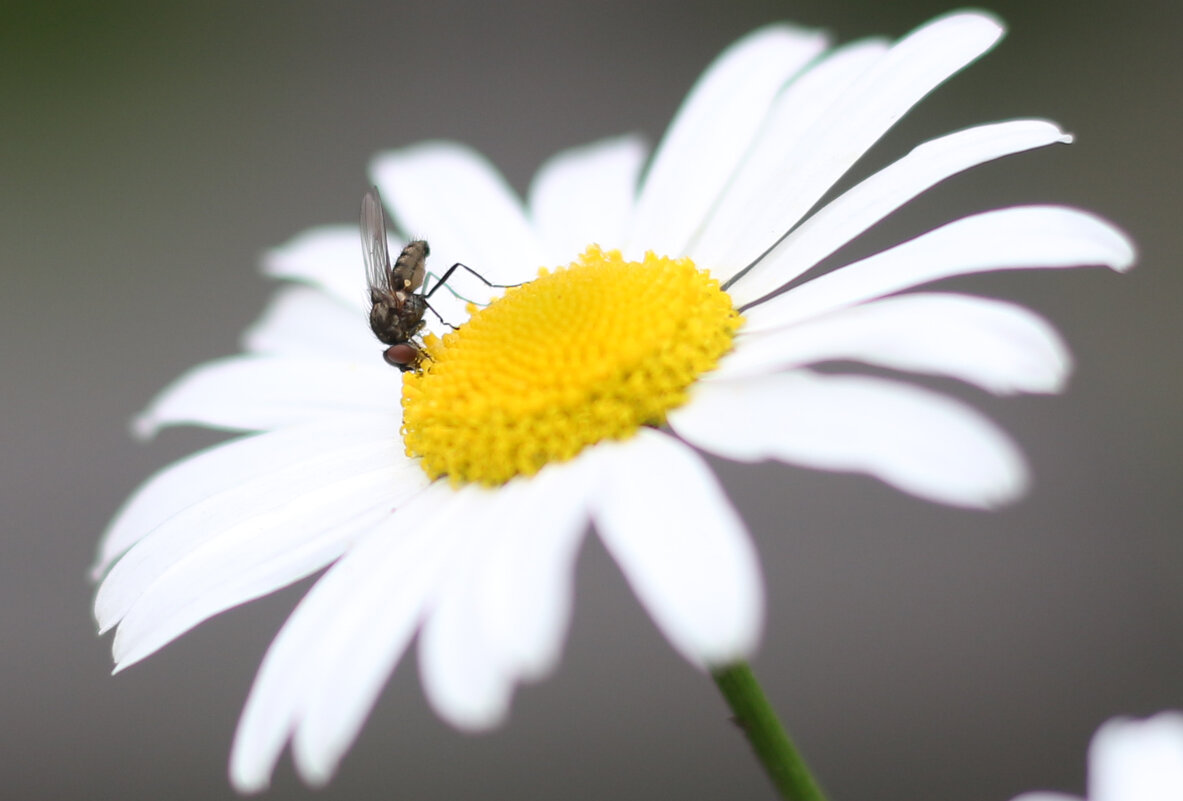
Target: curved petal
x,y
682,547
328,257
464,681
262,393
998,346
757,183
503,614
1137,760
916,65
710,133
337,648
221,468
841,220
1023,237
306,323
525,587
347,690
315,491
455,198
249,561
925,444
585,196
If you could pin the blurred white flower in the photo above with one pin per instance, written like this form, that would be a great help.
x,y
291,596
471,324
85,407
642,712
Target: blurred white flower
x,y
1132,760
452,504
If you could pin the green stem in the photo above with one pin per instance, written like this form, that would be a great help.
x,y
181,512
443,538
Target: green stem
x,y
776,753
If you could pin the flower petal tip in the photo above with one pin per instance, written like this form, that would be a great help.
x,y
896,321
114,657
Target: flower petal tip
x,y
144,427
1054,383
445,151
315,770
970,31
1001,479
790,34
1127,255
991,25
127,651
478,721
248,784
1007,492
122,664
271,263
96,571
1122,253
248,774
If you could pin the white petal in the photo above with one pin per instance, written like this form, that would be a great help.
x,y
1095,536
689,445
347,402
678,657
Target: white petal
x,y
249,561
682,547
260,393
878,99
354,623
1137,760
277,499
525,585
306,323
710,133
221,468
873,199
757,183
1023,237
452,196
925,444
392,601
585,196
464,681
503,615
998,346
328,257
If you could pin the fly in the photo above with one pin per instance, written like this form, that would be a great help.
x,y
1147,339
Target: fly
x,y
396,305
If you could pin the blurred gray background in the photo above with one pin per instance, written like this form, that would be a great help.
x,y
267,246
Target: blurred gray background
x,y
151,154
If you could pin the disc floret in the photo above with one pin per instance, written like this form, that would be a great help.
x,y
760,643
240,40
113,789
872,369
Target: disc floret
x,y
584,353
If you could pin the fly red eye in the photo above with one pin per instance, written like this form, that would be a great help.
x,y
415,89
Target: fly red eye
x,y
403,355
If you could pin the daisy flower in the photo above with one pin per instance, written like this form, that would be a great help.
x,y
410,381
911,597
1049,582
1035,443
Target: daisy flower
x,y
1132,760
449,502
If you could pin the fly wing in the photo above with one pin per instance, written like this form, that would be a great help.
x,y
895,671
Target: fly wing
x,y
373,241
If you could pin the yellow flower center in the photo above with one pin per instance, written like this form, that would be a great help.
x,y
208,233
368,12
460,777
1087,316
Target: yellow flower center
x,y
589,352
